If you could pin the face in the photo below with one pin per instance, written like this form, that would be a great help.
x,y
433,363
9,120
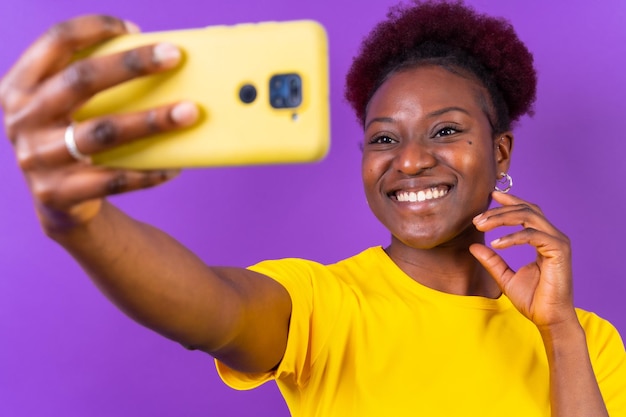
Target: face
x,y
430,160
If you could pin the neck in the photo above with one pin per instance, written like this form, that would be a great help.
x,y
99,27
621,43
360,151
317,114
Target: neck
x,y
450,269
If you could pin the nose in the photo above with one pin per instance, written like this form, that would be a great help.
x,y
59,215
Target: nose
x,y
414,158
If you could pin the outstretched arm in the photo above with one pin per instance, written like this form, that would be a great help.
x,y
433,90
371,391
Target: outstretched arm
x,y
542,291
238,316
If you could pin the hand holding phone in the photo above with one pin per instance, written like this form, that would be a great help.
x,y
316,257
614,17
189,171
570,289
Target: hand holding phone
x,y
262,90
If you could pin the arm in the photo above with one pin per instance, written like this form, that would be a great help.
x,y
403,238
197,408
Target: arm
x,y
574,389
238,316
542,291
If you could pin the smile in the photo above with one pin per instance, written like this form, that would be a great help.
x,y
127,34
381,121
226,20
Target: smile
x,y
422,195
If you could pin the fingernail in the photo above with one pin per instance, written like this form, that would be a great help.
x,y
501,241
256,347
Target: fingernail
x,y
131,27
185,113
495,242
479,219
166,54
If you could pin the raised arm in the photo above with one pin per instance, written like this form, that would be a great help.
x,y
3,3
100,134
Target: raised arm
x,y
542,291
236,315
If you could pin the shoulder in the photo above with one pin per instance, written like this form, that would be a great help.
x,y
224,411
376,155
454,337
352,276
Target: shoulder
x,y
310,283
602,337
297,268
608,358
606,347
598,329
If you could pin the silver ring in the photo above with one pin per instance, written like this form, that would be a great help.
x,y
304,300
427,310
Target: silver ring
x,y
70,144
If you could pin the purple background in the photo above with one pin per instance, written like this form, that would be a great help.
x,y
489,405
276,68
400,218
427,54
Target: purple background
x,y
66,351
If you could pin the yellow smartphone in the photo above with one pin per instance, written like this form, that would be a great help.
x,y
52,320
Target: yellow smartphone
x,y
262,89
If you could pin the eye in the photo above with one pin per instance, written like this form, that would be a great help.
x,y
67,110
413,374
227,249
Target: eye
x,y
382,139
447,131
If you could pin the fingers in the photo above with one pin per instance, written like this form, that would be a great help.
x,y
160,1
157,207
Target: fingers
x,y
509,199
536,230
541,289
494,264
513,212
97,135
60,191
101,134
549,246
49,83
65,91
56,48
44,88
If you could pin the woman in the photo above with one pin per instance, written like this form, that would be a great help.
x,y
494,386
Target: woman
x,y
434,324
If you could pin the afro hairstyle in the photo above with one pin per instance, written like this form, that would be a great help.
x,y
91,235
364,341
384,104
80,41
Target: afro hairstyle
x,y
456,37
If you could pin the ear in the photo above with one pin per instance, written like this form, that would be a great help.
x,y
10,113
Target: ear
x,y
503,144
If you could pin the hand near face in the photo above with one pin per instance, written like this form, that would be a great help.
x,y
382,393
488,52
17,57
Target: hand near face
x,y
542,289
47,85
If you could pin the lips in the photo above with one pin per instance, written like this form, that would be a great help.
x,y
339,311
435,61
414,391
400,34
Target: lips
x,y
412,196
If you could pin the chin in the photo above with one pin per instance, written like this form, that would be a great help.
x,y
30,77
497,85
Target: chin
x,y
439,239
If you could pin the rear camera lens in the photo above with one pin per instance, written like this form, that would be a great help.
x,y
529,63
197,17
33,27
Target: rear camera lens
x,y
247,93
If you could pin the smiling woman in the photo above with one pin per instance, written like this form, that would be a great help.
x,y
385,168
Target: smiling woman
x,y
434,323
436,314
421,140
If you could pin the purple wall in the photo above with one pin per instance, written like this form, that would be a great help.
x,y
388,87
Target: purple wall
x,y
66,351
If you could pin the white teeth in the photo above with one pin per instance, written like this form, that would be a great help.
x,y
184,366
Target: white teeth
x,y
430,194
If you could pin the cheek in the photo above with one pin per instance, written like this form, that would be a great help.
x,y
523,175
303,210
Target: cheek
x,y
369,169
478,161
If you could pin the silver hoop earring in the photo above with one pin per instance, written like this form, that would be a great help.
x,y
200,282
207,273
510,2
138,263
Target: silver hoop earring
x,y
504,180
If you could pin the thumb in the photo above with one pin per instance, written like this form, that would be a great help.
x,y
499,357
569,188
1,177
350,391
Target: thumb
x,y
493,263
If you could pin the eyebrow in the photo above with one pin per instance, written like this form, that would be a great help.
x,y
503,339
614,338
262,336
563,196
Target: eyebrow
x,y
429,115
380,120
447,110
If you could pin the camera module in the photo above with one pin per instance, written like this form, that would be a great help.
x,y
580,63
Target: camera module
x,y
285,91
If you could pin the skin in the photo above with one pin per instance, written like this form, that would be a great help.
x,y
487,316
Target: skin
x,y
425,127
418,136
242,317
222,311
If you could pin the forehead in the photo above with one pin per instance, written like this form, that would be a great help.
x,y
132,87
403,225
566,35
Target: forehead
x,y
426,89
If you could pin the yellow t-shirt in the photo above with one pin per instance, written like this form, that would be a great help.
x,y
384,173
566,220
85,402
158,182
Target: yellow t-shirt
x,y
367,340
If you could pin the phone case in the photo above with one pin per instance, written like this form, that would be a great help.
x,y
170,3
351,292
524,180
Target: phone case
x,y
220,65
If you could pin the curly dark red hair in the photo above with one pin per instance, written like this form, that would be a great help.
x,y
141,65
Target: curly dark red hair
x,y
456,37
